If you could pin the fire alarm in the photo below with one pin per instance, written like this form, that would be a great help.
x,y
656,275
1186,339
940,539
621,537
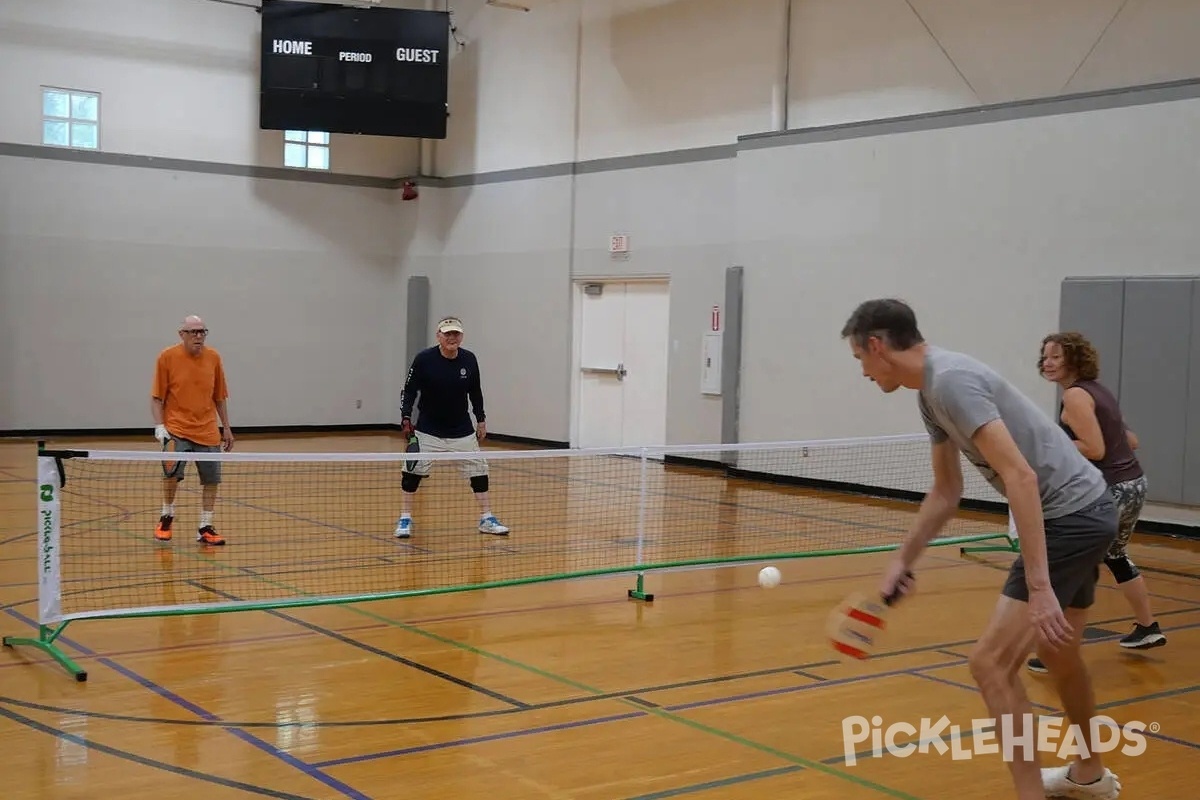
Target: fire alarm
x,y
408,191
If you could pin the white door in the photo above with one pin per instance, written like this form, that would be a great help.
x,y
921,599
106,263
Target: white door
x,y
623,359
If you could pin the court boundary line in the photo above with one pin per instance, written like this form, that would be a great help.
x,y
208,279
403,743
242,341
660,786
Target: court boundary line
x,y
720,783
796,760
245,737
629,693
144,761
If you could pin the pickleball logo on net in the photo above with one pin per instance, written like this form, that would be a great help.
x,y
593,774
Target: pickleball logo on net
x,y
862,738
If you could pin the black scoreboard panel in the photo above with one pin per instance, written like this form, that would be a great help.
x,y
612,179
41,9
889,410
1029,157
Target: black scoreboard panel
x,y
377,71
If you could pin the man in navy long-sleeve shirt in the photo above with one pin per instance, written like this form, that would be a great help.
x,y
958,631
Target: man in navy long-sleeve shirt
x,y
445,377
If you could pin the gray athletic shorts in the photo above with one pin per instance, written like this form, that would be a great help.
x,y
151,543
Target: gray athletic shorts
x,y
209,471
1075,548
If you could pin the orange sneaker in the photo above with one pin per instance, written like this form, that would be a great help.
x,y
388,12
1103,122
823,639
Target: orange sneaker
x,y
163,531
209,535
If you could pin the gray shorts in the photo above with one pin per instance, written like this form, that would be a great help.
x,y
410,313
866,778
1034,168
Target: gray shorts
x,y
1075,548
209,471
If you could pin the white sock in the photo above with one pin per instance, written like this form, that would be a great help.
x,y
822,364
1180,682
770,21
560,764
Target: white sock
x,y
205,518
168,509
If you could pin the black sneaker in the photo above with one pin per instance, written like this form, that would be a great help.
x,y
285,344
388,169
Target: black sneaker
x,y
1036,665
1144,637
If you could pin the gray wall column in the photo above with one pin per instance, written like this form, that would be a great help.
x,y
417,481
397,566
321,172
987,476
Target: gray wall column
x,y
417,319
731,359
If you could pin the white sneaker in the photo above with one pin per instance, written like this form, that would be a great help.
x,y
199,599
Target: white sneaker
x,y
492,525
404,528
1057,783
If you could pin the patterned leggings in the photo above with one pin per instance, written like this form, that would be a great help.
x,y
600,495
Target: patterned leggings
x,y
1130,496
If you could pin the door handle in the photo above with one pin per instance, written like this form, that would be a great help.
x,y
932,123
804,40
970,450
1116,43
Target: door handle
x,y
619,371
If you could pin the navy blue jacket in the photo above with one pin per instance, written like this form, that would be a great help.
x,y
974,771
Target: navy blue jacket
x,y
444,386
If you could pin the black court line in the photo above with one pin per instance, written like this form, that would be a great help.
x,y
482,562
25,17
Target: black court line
x,y
248,738
146,762
437,673
620,694
1100,707
951,653
720,783
642,702
1173,573
970,733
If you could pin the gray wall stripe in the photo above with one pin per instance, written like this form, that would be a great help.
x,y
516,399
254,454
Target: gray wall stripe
x,y
186,165
1091,101
977,115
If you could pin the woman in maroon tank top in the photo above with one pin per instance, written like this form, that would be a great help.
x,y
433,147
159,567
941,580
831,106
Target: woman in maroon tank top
x,y
1090,415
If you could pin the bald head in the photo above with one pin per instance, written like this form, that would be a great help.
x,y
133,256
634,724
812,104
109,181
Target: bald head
x,y
192,333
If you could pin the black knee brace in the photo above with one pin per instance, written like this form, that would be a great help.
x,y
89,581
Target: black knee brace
x,y
409,482
1122,569
479,484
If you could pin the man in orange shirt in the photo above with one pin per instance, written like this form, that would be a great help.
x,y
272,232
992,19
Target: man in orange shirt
x,y
188,396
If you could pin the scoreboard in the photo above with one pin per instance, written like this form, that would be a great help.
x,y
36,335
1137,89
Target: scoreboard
x,y
375,71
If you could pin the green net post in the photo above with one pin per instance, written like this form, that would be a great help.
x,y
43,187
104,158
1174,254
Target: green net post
x,y
1010,546
640,592
45,642
51,478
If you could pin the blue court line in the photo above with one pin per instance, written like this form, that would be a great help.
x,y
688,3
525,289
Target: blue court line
x,y
917,671
167,694
725,700
1099,707
720,783
611,718
437,673
146,762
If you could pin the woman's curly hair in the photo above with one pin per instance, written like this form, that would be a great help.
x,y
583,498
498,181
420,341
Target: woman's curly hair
x,y
1079,355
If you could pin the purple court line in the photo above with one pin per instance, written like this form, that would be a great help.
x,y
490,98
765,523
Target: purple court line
x,y
488,614
275,637
424,748
916,671
451,618
1099,707
308,769
949,563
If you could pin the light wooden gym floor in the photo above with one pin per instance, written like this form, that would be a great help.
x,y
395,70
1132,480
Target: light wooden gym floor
x,y
716,689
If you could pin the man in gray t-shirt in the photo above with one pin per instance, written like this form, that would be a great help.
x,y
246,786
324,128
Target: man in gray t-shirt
x,y
959,395
1064,515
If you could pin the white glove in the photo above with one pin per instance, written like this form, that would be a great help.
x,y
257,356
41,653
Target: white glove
x,y
160,433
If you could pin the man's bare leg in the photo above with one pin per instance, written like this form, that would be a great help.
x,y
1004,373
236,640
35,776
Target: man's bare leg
x,y
995,663
1074,686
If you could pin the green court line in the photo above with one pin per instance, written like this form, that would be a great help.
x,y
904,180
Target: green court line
x,y
792,758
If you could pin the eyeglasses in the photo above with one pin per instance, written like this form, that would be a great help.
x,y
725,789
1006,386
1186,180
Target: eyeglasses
x,y
195,332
